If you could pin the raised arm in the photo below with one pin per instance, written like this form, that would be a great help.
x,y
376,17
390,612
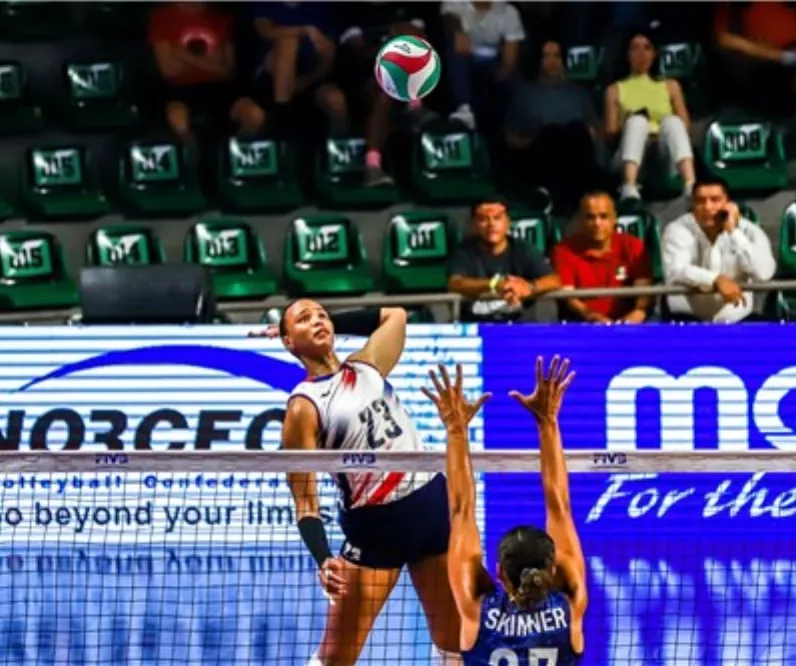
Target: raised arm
x,y
385,344
466,572
544,403
300,432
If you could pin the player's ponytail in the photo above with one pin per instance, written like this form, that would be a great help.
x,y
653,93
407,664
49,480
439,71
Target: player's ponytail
x,y
535,585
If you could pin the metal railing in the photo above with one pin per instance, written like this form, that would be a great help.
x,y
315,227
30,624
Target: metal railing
x,y
241,312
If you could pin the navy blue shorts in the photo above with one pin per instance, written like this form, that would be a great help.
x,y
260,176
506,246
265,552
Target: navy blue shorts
x,y
403,532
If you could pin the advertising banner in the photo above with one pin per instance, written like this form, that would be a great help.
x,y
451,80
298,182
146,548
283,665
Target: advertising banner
x,y
684,569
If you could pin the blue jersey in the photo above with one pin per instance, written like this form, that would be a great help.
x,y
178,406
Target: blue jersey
x,y
509,636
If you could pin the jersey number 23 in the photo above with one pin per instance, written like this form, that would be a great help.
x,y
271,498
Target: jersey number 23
x,y
379,423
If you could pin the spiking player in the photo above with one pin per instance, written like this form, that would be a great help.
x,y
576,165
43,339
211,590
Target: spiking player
x,y
389,520
533,615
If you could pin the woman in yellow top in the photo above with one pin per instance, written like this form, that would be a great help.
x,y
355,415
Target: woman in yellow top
x,y
641,110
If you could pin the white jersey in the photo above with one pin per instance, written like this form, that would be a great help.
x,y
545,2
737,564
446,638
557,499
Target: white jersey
x,y
358,410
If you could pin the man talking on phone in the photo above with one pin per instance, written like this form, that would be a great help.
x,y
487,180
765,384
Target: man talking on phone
x,y
714,250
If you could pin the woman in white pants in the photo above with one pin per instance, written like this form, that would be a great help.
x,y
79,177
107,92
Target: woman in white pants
x,y
643,111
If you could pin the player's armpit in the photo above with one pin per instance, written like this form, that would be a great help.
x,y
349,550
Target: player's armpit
x,y
300,432
386,344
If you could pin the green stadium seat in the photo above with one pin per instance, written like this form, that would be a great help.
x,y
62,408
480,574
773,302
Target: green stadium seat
x,y
340,173
584,63
30,20
324,256
787,243
33,274
160,178
235,256
451,167
749,155
257,176
98,96
641,223
535,227
685,62
415,251
748,212
59,182
124,245
18,113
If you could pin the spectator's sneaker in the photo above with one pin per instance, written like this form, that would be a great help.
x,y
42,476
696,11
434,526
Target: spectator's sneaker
x,y
377,177
463,115
628,191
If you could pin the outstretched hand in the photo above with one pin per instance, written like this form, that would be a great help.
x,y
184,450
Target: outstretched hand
x,y
454,409
545,401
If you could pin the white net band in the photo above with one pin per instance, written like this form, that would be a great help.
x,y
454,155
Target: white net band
x,y
335,462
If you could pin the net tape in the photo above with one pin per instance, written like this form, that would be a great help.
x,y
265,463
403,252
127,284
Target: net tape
x,y
333,462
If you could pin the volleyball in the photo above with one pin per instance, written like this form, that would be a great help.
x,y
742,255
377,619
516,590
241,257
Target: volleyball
x,y
407,68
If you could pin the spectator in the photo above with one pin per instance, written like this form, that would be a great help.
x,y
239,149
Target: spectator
x,y
640,109
599,257
296,56
484,51
490,261
550,129
195,54
714,249
757,41
369,25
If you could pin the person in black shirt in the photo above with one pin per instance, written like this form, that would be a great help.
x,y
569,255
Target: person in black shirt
x,y
490,261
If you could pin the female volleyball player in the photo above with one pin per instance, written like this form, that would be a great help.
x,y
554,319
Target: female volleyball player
x,y
533,616
389,520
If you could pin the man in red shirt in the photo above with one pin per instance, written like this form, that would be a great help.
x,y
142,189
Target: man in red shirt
x,y
194,49
598,257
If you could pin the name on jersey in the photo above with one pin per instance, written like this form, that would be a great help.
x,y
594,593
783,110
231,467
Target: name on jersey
x,y
525,624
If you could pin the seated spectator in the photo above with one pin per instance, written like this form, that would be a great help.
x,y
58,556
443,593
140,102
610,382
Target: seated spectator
x,y
296,55
599,257
758,43
368,26
713,249
490,261
484,51
550,129
642,111
195,54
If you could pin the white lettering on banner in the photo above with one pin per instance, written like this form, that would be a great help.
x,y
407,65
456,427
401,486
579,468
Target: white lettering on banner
x,y
639,497
677,407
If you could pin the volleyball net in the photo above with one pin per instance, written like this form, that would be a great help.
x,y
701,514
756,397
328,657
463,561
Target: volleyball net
x,y
195,558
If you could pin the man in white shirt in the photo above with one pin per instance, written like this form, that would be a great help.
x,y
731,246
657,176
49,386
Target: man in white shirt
x,y
715,251
485,39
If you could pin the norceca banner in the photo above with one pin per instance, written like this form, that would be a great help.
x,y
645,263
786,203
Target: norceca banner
x,y
170,388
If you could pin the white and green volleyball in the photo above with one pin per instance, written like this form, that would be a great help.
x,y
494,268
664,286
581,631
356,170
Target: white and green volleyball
x,y
407,68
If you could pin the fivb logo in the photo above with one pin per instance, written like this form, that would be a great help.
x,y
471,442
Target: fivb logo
x,y
677,431
357,459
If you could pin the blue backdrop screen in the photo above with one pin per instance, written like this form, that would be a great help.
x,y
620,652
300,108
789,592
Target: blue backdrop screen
x,y
684,569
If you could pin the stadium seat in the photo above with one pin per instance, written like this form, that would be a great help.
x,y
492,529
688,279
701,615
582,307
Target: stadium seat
x,y
257,175
636,220
235,256
324,256
33,274
124,245
584,63
98,96
787,243
18,114
535,227
685,62
339,177
159,178
59,182
31,20
451,167
415,251
748,155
